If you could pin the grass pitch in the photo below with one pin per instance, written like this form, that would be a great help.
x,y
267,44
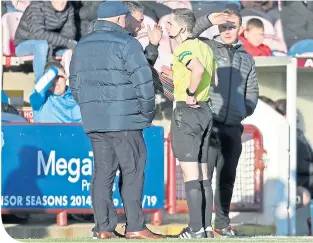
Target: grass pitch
x,y
264,239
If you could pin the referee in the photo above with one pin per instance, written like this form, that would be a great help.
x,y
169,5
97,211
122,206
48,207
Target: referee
x,y
193,67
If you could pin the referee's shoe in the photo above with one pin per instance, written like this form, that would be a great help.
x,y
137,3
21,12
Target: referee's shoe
x,y
188,233
227,232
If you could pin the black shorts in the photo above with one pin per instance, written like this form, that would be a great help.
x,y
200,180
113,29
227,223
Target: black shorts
x,y
190,132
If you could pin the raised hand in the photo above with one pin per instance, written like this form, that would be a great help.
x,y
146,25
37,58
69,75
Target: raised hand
x,y
155,35
218,18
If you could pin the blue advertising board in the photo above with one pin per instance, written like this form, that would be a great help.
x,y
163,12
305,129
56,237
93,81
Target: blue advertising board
x,y
47,166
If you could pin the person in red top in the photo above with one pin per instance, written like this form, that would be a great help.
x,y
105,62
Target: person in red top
x,y
252,39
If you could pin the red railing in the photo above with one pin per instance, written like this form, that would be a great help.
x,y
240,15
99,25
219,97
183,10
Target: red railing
x,y
61,214
248,190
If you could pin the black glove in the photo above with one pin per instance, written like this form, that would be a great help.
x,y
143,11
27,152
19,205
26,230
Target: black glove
x,y
71,44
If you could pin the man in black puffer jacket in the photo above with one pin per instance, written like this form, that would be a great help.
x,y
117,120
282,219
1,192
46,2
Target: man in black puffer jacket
x,y
112,82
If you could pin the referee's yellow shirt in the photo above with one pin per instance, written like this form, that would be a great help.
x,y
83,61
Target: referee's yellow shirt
x,y
183,54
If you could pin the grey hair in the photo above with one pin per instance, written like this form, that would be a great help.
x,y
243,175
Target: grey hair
x,y
133,6
185,17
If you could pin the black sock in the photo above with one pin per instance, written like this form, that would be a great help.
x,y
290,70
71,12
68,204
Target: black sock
x,y
207,202
194,200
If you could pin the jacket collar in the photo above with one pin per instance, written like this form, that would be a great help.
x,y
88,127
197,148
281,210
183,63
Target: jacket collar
x,y
104,25
237,45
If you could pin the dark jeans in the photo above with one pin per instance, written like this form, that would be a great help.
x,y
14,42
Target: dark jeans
x,y
224,152
112,151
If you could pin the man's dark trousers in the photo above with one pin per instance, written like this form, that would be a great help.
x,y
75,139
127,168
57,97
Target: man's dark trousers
x,y
224,151
126,151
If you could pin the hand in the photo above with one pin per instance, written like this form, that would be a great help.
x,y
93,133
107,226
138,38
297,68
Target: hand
x,y
61,72
155,35
218,18
192,102
167,71
65,61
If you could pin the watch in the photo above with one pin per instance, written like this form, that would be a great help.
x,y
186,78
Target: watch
x,y
189,93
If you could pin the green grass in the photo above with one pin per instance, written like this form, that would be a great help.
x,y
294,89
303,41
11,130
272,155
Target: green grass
x,y
247,239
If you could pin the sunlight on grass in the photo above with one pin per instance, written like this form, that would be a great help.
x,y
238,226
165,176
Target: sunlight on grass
x,y
247,239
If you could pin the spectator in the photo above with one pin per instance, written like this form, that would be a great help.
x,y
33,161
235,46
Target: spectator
x,y
112,82
201,8
297,22
87,13
259,5
52,100
252,39
304,154
233,99
45,27
304,189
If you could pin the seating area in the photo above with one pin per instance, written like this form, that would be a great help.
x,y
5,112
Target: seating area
x,y
273,36
10,23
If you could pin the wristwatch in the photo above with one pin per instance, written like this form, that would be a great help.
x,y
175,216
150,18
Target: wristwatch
x,y
189,93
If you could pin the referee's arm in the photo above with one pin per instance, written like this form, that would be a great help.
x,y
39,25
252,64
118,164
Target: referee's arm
x,y
197,71
195,66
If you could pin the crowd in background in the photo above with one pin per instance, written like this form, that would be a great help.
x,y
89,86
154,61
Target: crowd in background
x,y
287,25
52,28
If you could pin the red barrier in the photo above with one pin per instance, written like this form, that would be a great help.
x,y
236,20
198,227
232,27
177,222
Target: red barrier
x,y
248,191
61,214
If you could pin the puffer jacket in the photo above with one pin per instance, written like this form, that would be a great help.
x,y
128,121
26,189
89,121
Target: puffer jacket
x,y
41,21
111,80
237,93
